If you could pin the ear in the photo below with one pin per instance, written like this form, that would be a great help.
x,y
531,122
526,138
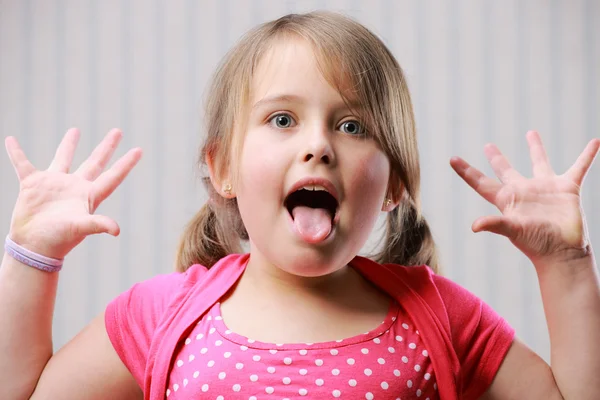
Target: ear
x,y
394,193
222,185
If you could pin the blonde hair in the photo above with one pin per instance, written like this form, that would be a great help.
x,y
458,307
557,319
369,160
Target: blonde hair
x,y
349,55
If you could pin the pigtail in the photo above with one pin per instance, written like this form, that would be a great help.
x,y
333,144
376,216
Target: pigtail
x,y
408,240
213,233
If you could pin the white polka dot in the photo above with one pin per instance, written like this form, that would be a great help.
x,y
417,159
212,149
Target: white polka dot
x,y
218,343
425,353
419,393
271,370
384,385
319,382
228,332
303,392
319,362
287,361
336,393
185,382
303,352
435,386
211,331
381,361
368,372
309,344
405,326
412,346
334,352
168,392
220,398
211,363
350,361
191,357
196,374
256,358
188,341
399,338
391,350
303,371
286,381
417,332
279,344
227,354
222,375
409,383
377,340
204,350
417,367
335,372
427,376
251,340
404,359
243,348
369,396
273,351
179,363
239,366
205,387
352,382
393,318
339,341
364,351
237,387
253,377
269,390
210,319
175,387
396,372
218,318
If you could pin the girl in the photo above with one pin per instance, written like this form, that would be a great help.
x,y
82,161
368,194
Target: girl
x,y
310,134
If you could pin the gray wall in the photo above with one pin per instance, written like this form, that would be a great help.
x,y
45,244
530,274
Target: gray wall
x,y
479,71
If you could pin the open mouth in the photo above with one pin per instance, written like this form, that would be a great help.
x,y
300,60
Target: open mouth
x,y
314,197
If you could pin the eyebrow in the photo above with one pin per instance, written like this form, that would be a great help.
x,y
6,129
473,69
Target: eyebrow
x,y
291,98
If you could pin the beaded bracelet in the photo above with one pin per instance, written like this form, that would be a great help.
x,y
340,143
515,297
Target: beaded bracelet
x,y
30,258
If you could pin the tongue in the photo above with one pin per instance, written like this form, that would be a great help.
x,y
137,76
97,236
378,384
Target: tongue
x,y
313,224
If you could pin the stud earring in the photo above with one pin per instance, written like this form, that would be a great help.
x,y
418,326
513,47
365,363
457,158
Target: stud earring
x,y
388,202
227,189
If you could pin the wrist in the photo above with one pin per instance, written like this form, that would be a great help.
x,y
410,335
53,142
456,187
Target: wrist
x,y
570,264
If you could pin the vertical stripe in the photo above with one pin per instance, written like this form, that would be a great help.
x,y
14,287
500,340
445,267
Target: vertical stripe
x,y
158,225
488,131
127,197
590,102
26,74
457,197
522,112
92,264
61,305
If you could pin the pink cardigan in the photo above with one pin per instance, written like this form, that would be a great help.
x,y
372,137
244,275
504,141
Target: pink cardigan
x,y
467,340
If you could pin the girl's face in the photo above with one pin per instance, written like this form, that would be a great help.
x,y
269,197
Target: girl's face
x,y
301,134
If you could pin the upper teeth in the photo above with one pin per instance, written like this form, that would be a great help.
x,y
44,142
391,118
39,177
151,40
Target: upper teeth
x,y
314,187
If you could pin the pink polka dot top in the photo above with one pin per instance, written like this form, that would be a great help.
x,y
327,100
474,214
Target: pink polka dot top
x,y
389,362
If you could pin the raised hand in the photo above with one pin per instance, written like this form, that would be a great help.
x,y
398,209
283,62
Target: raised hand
x,y
542,216
55,209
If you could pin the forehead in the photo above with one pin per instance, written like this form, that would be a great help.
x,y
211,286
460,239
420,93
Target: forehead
x,y
291,66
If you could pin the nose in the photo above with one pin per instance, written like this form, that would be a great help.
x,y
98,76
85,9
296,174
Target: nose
x,y
318,147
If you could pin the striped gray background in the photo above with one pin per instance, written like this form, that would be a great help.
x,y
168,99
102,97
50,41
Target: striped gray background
x,y
479,71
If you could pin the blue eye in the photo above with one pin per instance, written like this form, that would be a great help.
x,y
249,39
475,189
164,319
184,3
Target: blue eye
x,y
352,128
282,121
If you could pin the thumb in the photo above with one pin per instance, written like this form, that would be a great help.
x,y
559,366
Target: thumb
x,y
95,224
496,224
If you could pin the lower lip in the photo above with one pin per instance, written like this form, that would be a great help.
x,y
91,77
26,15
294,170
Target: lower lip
x,y
327,239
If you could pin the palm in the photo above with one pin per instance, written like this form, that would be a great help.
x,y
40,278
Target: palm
x,y
542,216
55,210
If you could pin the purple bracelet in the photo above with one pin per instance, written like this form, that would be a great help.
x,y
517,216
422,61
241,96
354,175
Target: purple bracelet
x,y
30,258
